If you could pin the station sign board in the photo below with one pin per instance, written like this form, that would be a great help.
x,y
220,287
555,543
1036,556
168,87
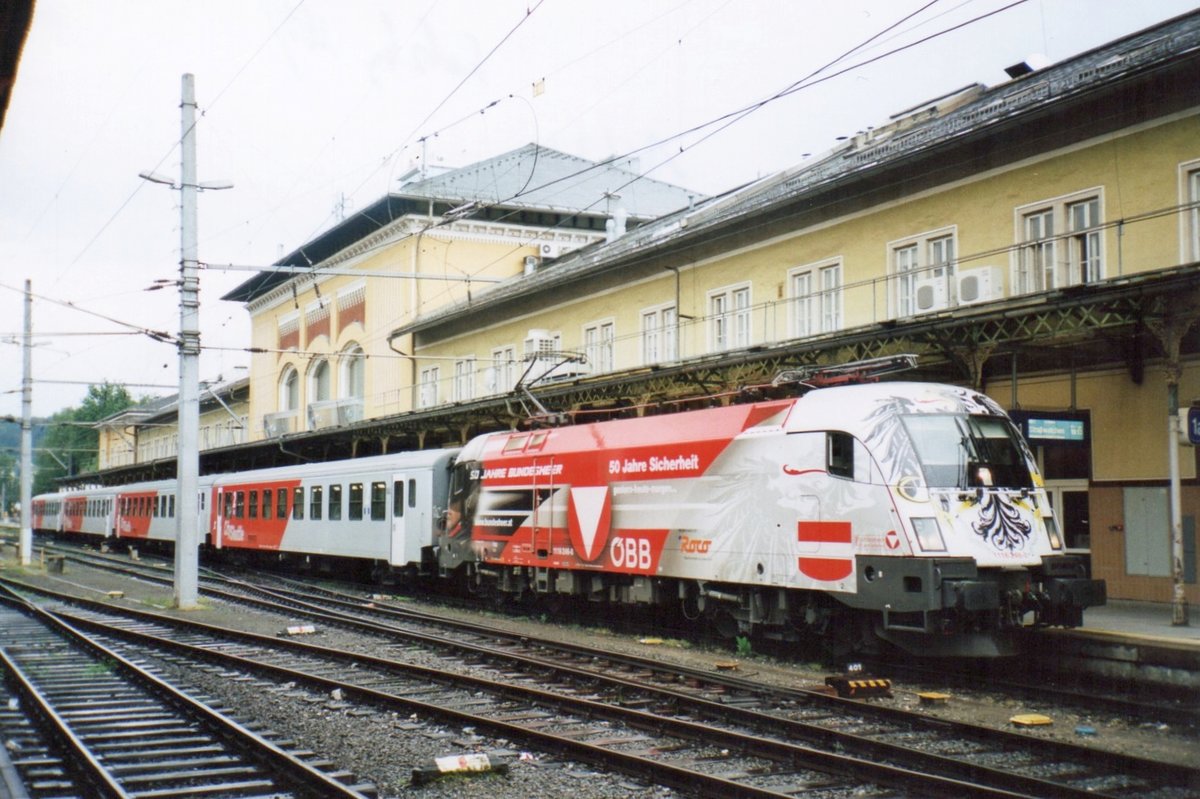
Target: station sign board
x,y
1189,426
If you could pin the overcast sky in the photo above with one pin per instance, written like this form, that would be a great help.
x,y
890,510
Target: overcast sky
x,y
311,106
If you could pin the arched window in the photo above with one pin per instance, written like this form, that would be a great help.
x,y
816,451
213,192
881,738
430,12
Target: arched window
x,y
289,390
352,379
319,381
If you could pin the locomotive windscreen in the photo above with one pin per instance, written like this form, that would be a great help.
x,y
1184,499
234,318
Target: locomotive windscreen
x,y
960,451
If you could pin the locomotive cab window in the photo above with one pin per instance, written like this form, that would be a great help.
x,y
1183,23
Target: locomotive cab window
x,y
960,451
839,451
464,498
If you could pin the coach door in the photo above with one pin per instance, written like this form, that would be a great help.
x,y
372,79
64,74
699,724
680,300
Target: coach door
x,y
218,517
412,527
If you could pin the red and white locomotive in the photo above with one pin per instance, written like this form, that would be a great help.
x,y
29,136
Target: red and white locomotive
x,y
908,512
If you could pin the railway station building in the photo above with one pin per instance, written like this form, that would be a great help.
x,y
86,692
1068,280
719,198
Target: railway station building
x,y
1038,240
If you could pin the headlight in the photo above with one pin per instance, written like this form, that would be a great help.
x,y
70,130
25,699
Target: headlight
x,y
1052,532
929,535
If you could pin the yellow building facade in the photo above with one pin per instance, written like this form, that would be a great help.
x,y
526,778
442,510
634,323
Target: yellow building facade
x,y
321,324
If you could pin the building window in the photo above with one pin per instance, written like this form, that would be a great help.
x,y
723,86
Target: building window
x,y
353,365
289,390
1060,244
816,295
659,328
464,380
1083,242
428,390
319,381
598,343
922,272
831,298
1191,199
502,375
729,318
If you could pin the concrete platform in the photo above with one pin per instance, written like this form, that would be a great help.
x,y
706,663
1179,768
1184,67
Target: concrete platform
x,y
1151,619
1129,643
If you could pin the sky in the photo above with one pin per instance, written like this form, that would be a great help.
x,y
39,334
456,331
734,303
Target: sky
x,y
313,109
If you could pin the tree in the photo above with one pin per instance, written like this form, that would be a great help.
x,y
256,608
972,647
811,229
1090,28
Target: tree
x,y
71,441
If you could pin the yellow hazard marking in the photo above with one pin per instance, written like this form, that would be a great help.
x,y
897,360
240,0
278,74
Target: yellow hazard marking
x,y
933,698
1031,720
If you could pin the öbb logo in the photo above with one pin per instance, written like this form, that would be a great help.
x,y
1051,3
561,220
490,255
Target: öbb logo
x,y
630,553
694,545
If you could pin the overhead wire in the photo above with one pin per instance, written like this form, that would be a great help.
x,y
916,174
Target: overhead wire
x,y
728,118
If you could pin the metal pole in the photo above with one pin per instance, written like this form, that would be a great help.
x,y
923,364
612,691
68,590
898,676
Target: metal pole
x,y
1179,608
188,464
26,536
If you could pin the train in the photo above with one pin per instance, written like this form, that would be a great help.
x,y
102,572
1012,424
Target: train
x,y
858,517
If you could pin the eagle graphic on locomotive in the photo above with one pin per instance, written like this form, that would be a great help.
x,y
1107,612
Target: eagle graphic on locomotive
x,y
855,514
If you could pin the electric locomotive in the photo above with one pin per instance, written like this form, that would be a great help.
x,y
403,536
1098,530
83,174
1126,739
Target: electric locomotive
x,y
911,513
852,515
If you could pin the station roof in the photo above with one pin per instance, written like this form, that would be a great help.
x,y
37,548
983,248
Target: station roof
x,y
533,185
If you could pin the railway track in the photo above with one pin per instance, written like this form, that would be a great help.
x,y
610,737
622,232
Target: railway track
x,y
85,720
1064,691
645,696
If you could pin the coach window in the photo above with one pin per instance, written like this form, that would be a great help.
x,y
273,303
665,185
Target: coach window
x,y
379,501
281,504
298,502
354,513
239,505
335,502
315,496
253,514
268,502
171,506
398,499
228,514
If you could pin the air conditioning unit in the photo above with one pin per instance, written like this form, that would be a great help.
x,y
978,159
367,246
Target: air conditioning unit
x,y
931,294
531,264
982,284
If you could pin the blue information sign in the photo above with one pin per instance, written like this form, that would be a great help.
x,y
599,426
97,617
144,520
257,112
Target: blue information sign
x,y
1192,425
1056,429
